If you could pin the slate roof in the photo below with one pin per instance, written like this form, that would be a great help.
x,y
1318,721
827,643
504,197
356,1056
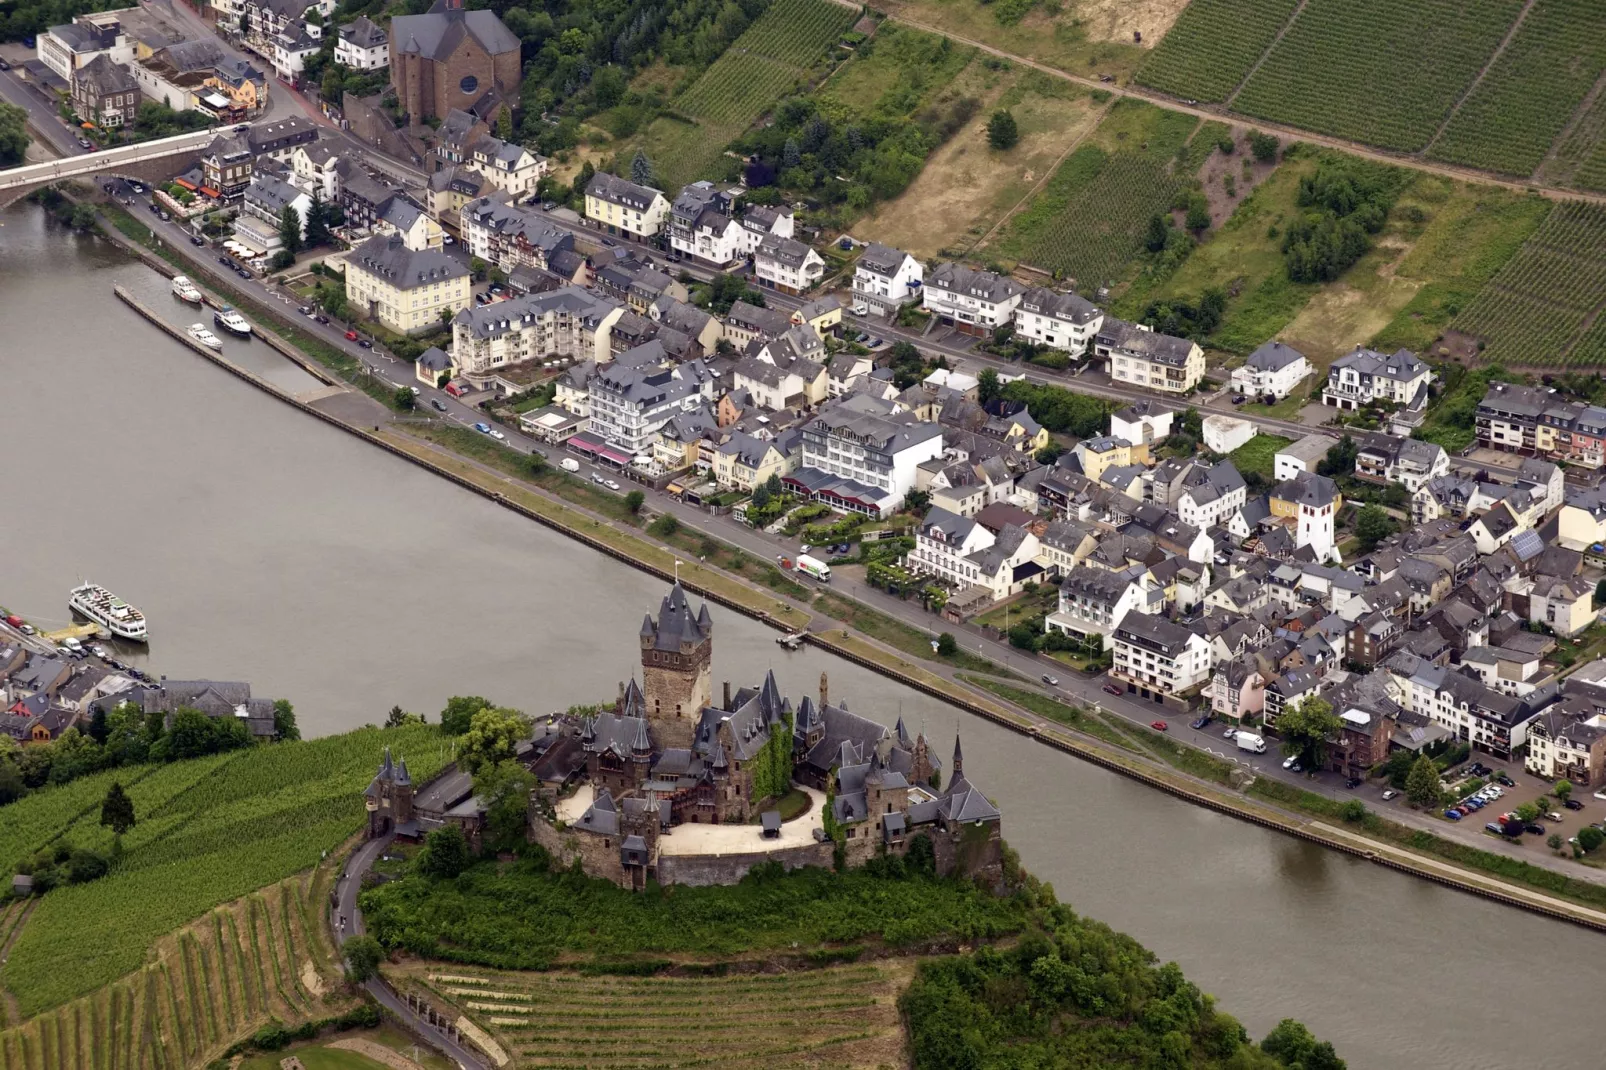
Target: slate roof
x,y
362,33
621,191
390,259
882,259
1273,356
437,34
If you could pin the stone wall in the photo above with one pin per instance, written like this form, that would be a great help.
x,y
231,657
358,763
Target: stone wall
x,y
597,855
373,127
703,870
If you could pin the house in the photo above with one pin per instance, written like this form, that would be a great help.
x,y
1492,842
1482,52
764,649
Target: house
x,y
280,137
1365,376
885,279
1316,509
701,225
434,367
1581,524
1237,689
1495,527
453,58
634,396
972,302
405,289
1525,419
66,48
262,208
624,208
858,457
1062,321
1301,456
943,545
1005,567
745,322
1363,741
227,167
1567,741
745,462
401,216
362,45
786,265
1210,494
316,168
362,197
1272,370
509,166
290,48
777,378
1545,482
1223,433
1565,605
215,698
1094,601
105,92
823,315
1143,423
1158,659
1409,462
1146,358
568,322
510,237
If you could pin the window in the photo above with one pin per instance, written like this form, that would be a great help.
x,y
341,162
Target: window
x,y
469,83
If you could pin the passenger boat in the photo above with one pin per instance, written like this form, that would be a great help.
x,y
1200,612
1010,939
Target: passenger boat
x,y
231,321
199,332
107,610
185,290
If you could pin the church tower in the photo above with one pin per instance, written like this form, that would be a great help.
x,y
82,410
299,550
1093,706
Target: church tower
x,y
677,653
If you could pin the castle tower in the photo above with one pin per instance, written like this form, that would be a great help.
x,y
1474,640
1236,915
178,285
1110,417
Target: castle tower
x,y
677,653
958,772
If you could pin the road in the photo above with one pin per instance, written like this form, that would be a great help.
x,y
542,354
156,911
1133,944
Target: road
x,y
346,891
42,114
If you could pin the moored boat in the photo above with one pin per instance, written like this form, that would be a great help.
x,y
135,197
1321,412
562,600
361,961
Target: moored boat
x,y
199,332
231,321
185,290
110,612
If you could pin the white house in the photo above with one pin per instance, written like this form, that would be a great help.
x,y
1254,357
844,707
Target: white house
x,y
701,226
1094,601
943,546
786,265
633,397
1061,320
761,221
859,457
1142,423
973,302
291,46
1357,379
885,279
509,166
316,168
362,45
263,206
1273,369
1223,434
1409,462
1317,503
1156,658
1545,482
1301,456
64,49
1210,494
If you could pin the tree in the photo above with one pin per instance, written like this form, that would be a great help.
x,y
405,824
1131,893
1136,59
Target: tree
x,y
493,737
290,229
1263,146
317,222
1002,132
1198,217
1562,789
1306,728
988,387
398,717
947,645
1590,837
404,399
98,727
1158,234
1292,1045
284,721
505,791
1527,813
641,172
117,809
1372,526
1555,842
13,134
1340,460
504,124
634,501
330,89
445,853
363,956
1422,785
459,713
583,177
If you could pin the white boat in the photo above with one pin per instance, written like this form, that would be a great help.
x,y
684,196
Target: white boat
x,y
185,290
231,321
107,610
199,332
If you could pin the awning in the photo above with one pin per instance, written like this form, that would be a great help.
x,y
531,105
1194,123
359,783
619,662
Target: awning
x,y
585,443
614,455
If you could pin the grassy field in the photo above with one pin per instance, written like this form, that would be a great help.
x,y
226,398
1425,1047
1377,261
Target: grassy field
x,y
899,72
1213,46
1087,223
1544,307
209,832
1385,73
1259,454
202,987
835,1016
966,186
1510,120
1086,37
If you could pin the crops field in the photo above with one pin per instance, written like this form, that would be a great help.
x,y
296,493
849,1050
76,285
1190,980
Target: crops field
x,y
1087,224
1212,46
738,87
1386,73
838,1016
209,832
1544,308
209,983
1580,158
1524,101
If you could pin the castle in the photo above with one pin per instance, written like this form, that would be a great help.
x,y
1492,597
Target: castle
x,y
667,757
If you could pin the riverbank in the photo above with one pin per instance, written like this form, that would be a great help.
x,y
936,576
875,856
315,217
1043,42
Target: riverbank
x,y
782,612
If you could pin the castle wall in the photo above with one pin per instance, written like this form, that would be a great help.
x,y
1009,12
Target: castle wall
x,y
704,870
975,851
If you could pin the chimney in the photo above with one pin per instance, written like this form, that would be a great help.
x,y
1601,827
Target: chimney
x,y
824,691
727,695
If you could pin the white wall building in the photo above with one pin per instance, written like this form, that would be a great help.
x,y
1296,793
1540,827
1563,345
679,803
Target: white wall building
x,y
1156,657
787,265
567,322
974,302
1273,369
1223,434
1357,379
885,279
864,459
1061,320
362,45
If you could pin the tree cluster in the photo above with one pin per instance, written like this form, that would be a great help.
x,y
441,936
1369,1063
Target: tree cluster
x,y
1183,319
1343,204
723,291
1059,410
64,864
13,134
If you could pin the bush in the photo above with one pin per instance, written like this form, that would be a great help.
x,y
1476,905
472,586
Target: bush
x,y
1590,837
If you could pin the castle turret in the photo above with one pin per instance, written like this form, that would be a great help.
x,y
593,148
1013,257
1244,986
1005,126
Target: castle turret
x,y
676,668
958,772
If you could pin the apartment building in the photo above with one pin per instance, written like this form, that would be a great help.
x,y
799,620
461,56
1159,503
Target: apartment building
x,y
1095,601
405,289
1358,379
623,208
568,322
1274,369
510,237
972,302
885,279
262,207
1538,421
786,265
362,45
1063,321
1409,462
1144,357
1157,658
701,226
633,397
859,457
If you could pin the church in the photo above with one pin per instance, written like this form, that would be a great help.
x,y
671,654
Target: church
x,y
669,757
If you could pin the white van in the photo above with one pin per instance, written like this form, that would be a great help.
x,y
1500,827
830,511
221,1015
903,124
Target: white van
x,y
569,464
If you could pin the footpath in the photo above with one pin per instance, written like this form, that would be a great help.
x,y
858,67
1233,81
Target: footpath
x,y
782,612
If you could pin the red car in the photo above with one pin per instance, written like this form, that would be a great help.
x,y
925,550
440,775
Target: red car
x,y
14,620
1112,689
1158,726
351,336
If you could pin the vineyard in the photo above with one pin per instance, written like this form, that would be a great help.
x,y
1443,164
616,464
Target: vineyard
x,y
1580,159
1386,73
737,86
1544,308
209,832
1509,121
211,982
1213,45
835,1016
1088,222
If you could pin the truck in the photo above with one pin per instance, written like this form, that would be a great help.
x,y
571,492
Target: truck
x,y
1250,742
569,464
811,566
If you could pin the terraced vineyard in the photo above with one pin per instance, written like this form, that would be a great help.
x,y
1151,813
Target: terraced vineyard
x,y
1213,45
213,981
1545,307
731,88
1386,73
832,1017
1580,158
209,832
1524,101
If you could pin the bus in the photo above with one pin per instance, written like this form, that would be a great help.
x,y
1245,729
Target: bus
x,y
812,567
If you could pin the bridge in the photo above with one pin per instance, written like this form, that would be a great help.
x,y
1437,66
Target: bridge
x,y
149,161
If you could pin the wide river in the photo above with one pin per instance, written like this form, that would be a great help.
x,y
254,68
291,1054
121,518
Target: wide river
x,y
267,547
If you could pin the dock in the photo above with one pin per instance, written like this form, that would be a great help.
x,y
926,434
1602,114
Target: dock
x,y
77,631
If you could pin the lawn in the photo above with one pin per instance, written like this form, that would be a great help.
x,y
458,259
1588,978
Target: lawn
x,y
967,187
1022,607
1259,454
1040,704
898,71
1386,74
901,636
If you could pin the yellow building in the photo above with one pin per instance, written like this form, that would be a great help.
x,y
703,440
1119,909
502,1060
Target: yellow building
x,y
622,207
1097,454
824,314
1149,359
406,290
745,462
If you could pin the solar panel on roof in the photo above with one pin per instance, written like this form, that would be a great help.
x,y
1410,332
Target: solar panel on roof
x,y
1527,544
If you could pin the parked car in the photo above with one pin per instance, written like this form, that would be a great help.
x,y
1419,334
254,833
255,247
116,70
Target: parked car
x,y
366,343
596,477
1453,814
305,310
1051,681
1552,816
1353,782
320,318
610,484
482,428
226,262
1200,722
1111,689
1290,761
1506,780
1534,830
1601,794
166,215
1494,827
1158,726
351,336
14,620
83,143
242,272
137,187
1389,793
4,66
197,240
1229,733
498,435
437,404
1238,399
1572,804
447,239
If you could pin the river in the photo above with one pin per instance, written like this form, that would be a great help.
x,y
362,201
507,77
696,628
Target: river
x,y
267,547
